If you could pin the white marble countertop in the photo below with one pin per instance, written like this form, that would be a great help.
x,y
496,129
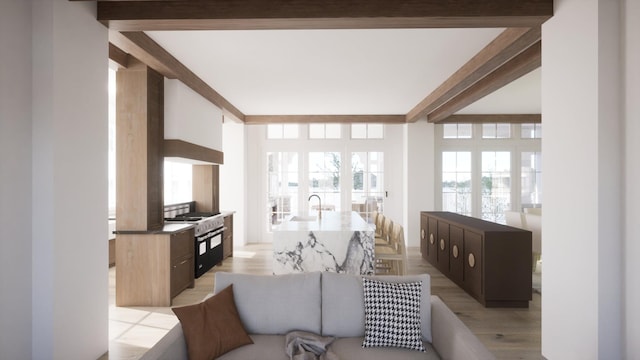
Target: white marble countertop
x,y
330,221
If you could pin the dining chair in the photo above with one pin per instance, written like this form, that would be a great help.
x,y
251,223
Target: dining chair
x,y
391,259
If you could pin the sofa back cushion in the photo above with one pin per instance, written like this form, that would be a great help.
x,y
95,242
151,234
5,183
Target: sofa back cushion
x,y
269,304
343,303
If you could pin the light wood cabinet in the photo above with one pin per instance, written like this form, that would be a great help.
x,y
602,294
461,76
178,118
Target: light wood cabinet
x,y
227,241
206,192
152,268
139,148
491,262
112,252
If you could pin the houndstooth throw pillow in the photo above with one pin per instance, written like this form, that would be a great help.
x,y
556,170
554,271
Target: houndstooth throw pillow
x,y
392,314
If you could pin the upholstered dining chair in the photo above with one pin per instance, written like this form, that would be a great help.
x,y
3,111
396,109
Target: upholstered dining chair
x,y
383,238
515,219
391,259
534,224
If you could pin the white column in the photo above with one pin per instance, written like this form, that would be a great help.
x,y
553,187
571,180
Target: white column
x,y
69,269
15,179
582,172
419,176
233,180
631,11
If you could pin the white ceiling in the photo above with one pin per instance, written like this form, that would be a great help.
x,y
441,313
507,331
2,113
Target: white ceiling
x,y
339,72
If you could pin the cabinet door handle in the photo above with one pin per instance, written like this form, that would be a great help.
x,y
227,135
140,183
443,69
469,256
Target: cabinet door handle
x,y
181,263
431,239
472,260
442,244
422,234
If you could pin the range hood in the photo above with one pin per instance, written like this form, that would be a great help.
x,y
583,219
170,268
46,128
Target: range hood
x,y
183,151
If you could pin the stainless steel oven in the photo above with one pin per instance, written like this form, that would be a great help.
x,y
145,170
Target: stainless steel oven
x,y
209,231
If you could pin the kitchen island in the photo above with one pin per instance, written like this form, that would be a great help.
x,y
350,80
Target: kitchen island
x,y
337,241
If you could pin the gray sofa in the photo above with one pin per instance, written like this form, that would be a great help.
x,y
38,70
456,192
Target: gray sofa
x,y
329,304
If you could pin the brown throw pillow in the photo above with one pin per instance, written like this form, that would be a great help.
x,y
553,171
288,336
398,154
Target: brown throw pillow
x,y
212,327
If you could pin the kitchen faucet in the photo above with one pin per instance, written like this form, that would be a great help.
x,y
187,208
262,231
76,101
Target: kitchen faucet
x,y
319,205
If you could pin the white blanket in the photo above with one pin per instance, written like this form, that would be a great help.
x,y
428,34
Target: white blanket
x,y
302,345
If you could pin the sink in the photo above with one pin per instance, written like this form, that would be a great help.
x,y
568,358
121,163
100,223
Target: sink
x,y
303,218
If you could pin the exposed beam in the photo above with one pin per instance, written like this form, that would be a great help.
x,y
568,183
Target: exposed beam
x,y
313,14
520,65
493,118
187,150
508,44
141,46
308,119
139,52
118,56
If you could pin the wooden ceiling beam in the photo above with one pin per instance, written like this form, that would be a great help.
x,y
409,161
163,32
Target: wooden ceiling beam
x,y
508,44
328,14
118,56
310,119
139,52
520,65
142,47
492,118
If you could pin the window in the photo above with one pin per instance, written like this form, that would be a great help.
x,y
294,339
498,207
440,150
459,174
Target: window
x,y
456,182
324,131
177,182
490,172
496,185
324,179
531,131
496,131
367,192
458,131
367,131
282,183
282,131
531,179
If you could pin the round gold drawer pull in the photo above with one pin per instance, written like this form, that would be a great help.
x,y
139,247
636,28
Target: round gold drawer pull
x,y
431,239
455,251
422,234
441,244
472,260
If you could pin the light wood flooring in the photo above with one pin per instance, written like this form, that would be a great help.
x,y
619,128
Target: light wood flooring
x,y
507,333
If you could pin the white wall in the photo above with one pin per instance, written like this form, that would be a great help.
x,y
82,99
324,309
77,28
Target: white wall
x,y
419,176
15,180
255,137
582,238
190,117
232,178
631,41
69,182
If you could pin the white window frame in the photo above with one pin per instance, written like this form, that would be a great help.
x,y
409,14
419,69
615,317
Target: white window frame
x,y
476,145
367,137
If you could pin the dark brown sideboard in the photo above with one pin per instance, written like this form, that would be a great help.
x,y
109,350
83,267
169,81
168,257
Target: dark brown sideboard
x,y
490,261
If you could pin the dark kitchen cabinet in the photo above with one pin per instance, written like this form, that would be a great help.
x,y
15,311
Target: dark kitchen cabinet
x,y
432,234
473,264
424,235
227,241
182,258
456,248
491,262
442,247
